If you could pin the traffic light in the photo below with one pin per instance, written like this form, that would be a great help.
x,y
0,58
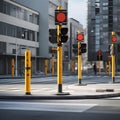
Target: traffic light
x,y
75,48
83,47
114,38
60,17
80,36
53,35
64,36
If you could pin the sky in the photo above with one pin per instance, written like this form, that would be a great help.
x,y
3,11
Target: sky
x,y
77,9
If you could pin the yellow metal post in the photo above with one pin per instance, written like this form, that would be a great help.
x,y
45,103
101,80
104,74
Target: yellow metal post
x,y
106,66
109,67
53,71
59,69
13,67
27,72
99,70
59,57
73,66
46,67
79,63
113,60
113,68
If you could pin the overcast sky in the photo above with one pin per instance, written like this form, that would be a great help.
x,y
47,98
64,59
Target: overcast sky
x,y
77,9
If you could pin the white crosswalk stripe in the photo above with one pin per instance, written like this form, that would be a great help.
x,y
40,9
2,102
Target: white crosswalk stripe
x,y
59,107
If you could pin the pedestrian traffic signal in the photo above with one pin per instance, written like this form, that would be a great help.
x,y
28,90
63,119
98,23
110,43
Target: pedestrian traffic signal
x,y
64,36
53,35
80,36
60,17
75,48
83,47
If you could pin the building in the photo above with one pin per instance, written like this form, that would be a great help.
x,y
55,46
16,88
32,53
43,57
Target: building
x,y
25,25
19,30
74,27
103,18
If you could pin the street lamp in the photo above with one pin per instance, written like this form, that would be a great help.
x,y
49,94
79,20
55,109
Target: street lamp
x,y
16,60
16,72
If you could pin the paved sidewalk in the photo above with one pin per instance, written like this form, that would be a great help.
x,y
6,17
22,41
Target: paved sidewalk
x,y
38,91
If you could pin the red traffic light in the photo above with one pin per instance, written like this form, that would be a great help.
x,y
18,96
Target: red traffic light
x,y
80,36
60,17
99,52
114,38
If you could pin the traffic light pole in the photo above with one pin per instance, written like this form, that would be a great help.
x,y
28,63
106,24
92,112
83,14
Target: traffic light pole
x,y
79,63
109,67
99,64
59,68
113,65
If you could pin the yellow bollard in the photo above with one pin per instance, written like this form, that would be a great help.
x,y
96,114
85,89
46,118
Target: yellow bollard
x,y
46,67
13,67
27,72
53,71
73,66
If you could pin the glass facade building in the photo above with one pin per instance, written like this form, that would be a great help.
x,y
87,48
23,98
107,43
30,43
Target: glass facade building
x,y
103,18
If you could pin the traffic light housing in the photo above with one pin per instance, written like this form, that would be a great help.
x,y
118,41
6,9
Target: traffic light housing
x,y
64,36
61,17
53,35
75,48
118,47
83,47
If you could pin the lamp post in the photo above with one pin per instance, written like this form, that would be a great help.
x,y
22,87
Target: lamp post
x,y
16,59
16,72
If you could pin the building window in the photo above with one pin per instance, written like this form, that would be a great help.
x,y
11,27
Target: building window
x,y
14,31
20,13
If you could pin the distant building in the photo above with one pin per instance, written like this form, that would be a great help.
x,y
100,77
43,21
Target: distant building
x,y
103,18
74,28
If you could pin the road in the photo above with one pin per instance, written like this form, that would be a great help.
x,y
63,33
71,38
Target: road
x,y
103,109
66,79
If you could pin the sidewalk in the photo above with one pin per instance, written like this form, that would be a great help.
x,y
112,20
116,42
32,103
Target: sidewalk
x,y
40,92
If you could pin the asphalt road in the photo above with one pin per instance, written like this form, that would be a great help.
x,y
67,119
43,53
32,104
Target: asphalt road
x,y
88,79
107,109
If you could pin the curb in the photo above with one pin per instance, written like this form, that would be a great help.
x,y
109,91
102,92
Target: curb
x,y
58,97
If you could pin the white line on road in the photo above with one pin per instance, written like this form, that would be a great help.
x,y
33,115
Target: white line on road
x,y
57,107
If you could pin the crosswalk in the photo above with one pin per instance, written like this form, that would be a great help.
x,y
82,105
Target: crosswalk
x,y
42,106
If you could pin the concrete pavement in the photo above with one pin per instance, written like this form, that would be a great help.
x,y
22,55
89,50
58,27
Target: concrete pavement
x,y
83,91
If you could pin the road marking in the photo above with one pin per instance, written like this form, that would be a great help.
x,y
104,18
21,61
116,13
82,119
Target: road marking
x,y
59,107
